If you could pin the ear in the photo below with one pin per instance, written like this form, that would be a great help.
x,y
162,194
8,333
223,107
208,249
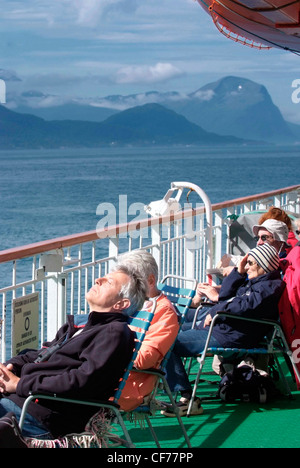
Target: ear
x,y
122,305
151,280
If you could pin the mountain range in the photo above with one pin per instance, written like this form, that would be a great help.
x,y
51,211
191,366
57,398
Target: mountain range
x,y
228,111
151,124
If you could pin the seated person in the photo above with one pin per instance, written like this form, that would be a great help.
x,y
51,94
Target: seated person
x,y
272,232
281,215
252,290
84,366
160,336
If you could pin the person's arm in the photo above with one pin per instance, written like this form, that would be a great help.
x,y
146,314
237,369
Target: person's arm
x,y
30,356
252,305
231,284
148,357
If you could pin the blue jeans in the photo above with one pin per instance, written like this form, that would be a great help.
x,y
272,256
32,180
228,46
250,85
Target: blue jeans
x,y
189,318
190,343
31,427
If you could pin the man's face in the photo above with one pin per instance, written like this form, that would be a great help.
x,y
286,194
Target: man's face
x,y
265,236
104,296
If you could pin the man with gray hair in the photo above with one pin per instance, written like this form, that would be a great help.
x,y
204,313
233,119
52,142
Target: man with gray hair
x,y
83,361
160,336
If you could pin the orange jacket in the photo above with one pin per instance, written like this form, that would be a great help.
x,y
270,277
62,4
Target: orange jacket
x,y
157,342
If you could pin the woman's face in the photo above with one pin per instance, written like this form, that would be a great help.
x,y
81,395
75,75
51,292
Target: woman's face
x,y
253,269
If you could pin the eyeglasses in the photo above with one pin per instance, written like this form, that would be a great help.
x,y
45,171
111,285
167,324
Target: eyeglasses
x,y
251,263
264,238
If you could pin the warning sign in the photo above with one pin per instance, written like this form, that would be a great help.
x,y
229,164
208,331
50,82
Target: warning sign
x,y
25,323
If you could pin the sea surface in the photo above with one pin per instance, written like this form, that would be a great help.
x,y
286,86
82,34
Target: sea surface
x,y
51,193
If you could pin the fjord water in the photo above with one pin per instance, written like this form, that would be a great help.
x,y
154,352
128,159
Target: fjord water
x,y
52,193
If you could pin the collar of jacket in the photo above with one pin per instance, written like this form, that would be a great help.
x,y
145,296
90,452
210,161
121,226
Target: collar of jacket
x,y
273,275
106,317
94,318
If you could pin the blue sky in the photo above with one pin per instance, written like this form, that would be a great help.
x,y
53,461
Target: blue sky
x,y
90,48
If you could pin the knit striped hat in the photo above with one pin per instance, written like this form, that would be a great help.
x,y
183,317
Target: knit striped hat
x,y
266,256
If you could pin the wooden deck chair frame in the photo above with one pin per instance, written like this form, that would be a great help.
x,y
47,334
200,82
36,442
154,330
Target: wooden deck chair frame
x,y
272,347
181,298
141,320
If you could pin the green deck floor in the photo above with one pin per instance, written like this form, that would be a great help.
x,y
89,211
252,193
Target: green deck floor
x,y
241,425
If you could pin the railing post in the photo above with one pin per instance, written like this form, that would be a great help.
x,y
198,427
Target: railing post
x,y
293,202
52,263
56,304
113,251
218,237
277,201
156,249
190,248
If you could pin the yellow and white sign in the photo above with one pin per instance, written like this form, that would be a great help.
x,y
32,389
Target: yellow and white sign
x,y
25,323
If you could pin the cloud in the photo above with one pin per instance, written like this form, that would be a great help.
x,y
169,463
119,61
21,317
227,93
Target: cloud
x,y
206,95
90,12
34,14
147,74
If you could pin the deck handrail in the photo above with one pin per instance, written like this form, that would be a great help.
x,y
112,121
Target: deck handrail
x,y
56,274
89,236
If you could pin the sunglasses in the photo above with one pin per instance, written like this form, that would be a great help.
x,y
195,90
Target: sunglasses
x,y
251,263
263,238
298,232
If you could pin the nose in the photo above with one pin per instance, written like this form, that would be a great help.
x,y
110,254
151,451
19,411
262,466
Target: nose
x,y
99,281
260,241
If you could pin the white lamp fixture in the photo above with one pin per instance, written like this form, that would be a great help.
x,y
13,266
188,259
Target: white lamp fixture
x,y
165,206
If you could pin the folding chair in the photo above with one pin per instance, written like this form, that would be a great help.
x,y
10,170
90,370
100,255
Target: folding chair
x,y
181,298
274,345
140,320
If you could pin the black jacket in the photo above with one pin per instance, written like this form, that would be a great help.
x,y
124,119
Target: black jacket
x,y
87,366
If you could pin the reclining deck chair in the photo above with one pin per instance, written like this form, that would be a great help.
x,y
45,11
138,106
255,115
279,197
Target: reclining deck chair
x,y
274,345
181,298
140,320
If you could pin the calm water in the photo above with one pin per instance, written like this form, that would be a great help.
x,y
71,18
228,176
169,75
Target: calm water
x,y
46,194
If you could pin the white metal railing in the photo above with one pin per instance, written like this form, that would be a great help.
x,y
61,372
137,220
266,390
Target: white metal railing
x,y
56,274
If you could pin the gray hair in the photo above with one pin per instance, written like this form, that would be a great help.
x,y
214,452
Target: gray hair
x,y
140,261
135,290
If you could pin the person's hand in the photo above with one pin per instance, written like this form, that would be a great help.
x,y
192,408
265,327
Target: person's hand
x,y
198,297
207,321
206,290
242,265
8,380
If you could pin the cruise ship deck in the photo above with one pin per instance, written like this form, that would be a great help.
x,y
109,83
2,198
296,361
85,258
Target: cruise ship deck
x,y
54,276
275,424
